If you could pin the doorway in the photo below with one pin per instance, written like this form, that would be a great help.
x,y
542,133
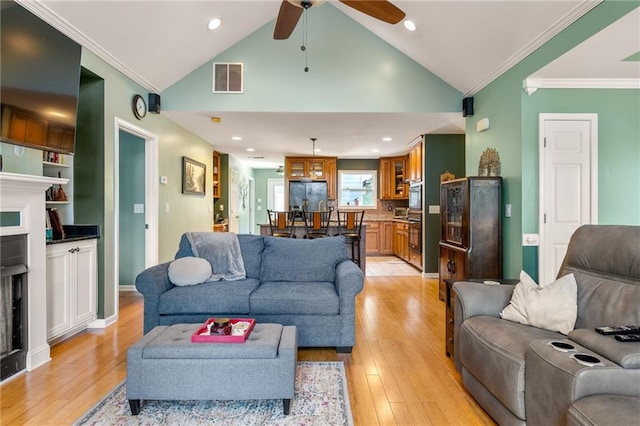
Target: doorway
x,y
125,134
568,184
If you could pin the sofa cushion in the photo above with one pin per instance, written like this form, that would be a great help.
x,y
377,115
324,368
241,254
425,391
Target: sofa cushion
x,y
302,260
301,298
493,351
552,307
212,297
251,247
626,355
189,271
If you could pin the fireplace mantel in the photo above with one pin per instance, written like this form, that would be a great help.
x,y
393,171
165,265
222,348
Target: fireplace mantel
x,y
25,195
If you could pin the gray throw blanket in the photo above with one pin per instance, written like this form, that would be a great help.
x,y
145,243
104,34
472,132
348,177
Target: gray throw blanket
x,y
222,250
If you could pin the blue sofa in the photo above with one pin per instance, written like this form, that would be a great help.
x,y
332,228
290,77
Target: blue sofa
x,y
311,284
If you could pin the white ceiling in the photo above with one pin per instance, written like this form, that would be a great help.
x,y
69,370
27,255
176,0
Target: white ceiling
x,y
146,40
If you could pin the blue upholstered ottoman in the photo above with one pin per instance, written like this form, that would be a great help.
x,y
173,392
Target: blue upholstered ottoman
x,y
165,365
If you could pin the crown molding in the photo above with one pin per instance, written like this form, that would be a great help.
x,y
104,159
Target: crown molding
x,y
560,25
43,12
530,85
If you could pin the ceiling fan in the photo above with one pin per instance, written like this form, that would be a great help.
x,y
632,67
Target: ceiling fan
x,y
291,10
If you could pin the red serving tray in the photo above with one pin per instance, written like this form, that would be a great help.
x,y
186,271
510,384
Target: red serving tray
x,y
202,334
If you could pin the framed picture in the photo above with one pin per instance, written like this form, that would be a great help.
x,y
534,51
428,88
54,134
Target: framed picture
x,y
193,176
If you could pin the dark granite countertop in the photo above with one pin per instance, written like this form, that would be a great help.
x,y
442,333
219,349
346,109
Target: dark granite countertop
x,y
78,233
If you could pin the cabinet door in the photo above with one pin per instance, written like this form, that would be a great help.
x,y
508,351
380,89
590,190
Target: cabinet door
x,y
331,176
58,290
373,239
386,238
84,296
400,188
296,168
317,169
418,162
386,177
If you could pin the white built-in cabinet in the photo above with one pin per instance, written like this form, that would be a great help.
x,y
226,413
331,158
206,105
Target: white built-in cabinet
x,y
72,276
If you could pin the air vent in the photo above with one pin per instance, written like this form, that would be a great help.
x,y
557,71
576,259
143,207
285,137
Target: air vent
x,y
228,77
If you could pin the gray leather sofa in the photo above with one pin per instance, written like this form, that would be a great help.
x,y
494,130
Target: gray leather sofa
x,y
311,284
519,379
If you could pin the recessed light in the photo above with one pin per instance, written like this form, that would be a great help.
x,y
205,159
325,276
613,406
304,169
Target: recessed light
x,y
216,119
375,150
214,23
250,149
317,150
387,139
236,138
410,25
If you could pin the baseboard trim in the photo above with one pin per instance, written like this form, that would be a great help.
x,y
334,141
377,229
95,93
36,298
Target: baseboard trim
x,y
430,275
38,357
103,323
127,288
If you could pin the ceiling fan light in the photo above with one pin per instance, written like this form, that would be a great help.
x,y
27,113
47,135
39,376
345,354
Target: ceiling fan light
x,y
214,24
409,25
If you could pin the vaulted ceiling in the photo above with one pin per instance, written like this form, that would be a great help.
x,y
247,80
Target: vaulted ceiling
x,y
467,43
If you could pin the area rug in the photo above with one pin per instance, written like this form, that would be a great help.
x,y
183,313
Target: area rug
x,y
321,398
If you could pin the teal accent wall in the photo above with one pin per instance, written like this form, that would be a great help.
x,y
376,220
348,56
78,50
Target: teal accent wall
x,y
618,149
513,119
351,70
441,153
132,191
88,167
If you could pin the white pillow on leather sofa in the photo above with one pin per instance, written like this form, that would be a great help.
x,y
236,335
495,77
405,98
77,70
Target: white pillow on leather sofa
x,y
552,307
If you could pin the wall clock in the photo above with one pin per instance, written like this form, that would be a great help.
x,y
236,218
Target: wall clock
x,y
139,107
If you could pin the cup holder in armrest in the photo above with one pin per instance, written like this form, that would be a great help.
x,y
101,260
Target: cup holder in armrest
x,y
586,359
562,346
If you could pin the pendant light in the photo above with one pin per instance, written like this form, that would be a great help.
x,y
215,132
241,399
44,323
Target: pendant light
x,y
313,158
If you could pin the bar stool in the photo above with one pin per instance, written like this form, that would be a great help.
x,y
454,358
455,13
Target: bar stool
x,y
316,223
281,223
350,226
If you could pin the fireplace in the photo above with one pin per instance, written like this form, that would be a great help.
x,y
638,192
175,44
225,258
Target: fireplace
x,y
13,305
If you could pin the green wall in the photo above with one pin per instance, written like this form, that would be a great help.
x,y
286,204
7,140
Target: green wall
x,y
132,191
441,153
618,149
28,163
351,70
512,132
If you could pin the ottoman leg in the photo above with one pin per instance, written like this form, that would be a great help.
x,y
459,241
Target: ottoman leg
x,y
286,406
134,404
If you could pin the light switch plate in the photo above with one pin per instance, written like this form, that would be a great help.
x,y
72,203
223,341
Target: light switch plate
x,y
507,210
434,209
164,180
138,208
530,239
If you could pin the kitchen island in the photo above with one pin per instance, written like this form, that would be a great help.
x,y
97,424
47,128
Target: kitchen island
x,y
333,230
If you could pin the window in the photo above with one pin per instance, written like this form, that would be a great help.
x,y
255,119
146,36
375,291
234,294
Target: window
x,y
357,188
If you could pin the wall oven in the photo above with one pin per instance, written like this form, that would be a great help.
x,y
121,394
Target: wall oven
x,y
415,236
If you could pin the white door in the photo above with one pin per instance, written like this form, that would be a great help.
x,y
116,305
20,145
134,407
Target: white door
x,y
568,184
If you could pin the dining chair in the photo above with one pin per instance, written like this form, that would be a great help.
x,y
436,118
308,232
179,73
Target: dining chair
x,y
281,223
350,226
316,223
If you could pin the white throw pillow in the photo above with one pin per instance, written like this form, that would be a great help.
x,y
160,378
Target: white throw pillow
x,y
189,271
552,307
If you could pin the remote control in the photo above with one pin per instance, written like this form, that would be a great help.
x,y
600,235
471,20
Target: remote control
x,y
628,337
619,329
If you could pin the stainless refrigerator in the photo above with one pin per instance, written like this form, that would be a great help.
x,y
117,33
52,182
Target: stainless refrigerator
x,y
311,196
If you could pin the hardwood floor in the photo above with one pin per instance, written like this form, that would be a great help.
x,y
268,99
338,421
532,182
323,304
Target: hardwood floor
x,y
398,373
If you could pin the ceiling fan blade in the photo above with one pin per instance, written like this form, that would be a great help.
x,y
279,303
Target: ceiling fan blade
x,y
288,17
379,9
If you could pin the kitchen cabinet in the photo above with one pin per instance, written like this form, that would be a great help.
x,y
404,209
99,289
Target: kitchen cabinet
x,y
415,259
471,229
401,240
72,271
317,168
379,238
393,176
415,163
